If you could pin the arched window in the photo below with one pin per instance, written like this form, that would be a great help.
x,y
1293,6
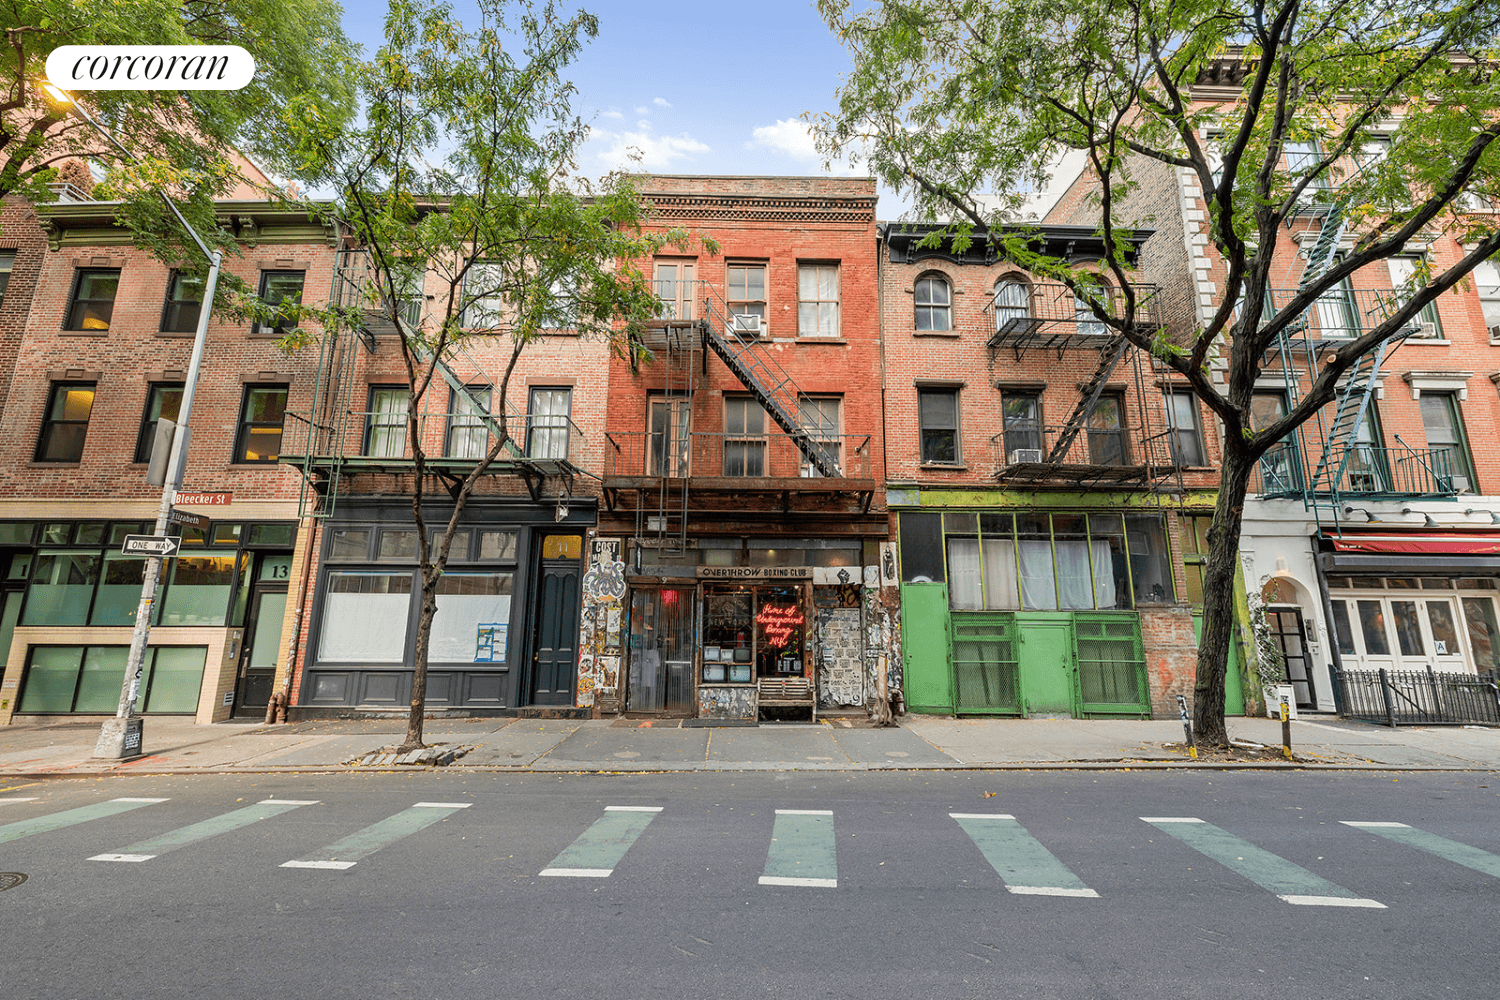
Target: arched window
x,y
934,303
1012,301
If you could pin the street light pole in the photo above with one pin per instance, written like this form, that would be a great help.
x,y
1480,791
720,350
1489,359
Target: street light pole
x,y
122,735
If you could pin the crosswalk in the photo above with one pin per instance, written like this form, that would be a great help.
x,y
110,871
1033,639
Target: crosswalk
x,y
801,852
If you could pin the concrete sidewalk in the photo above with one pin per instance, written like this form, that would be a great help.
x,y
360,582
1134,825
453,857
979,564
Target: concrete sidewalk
x,y
60,749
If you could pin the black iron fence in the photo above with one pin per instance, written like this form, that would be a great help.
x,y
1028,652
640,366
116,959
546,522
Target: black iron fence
x,y
1419,698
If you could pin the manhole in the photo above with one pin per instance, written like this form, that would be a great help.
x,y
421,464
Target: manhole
x,y
9,880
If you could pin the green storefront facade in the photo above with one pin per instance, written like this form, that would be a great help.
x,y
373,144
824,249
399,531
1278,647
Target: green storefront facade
x,y
1048,604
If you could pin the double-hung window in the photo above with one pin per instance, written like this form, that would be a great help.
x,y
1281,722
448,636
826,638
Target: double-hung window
x,y
817,300
1402,269
677,289
1487,282
179,313
667,444
1187,432
745,295
820,416
934,303
937,426
66,422
162,400
1012,305
1021,421
744,437
468,432
93,303
1107,444
261,418
483,291
548,419
282,291
1445,434
385,431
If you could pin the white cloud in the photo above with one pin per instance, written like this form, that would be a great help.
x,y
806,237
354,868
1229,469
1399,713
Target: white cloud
x,y
793,138
611,114
644,125
662,101
617,150
642,110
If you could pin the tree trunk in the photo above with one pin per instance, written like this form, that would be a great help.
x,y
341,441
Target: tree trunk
x,y
1218,596
418,712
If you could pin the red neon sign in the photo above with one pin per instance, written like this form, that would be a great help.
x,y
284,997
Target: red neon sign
x,y
779,622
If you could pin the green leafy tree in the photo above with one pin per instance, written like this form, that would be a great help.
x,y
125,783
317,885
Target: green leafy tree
x,y
183,143
964,105
456,183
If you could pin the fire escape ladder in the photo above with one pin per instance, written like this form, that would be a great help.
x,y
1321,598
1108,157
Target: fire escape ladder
x,y
772,387
1088,397
1348,418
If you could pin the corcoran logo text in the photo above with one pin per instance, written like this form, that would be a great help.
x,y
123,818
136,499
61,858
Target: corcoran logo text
x,y
150,67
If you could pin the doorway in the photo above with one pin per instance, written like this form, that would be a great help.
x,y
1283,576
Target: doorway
x,y
1290,634
262,640
555,641
661,651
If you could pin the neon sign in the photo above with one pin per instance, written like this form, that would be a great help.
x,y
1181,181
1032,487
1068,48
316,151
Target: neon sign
x,y
778,623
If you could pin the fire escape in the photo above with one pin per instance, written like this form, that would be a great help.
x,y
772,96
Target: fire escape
x,y
1352,464
1093,446
329,443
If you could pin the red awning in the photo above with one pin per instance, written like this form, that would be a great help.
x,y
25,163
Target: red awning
x,y
1452,545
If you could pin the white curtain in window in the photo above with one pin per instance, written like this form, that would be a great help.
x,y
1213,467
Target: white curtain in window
x,y
1002,590
368,627
466,601
963,575
388,424
1073,584
1038,587
1104,574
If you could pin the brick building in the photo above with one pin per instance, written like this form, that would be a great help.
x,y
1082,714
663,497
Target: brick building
x,y
1370,533
741,535
97,355
1045,484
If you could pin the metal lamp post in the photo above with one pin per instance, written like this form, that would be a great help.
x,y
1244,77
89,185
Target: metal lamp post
x,y
122,735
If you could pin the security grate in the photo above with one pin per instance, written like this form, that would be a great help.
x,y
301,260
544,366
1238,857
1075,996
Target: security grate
x,y
984,662
1111,665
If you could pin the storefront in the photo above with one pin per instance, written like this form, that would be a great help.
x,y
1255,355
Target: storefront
x,y
701,631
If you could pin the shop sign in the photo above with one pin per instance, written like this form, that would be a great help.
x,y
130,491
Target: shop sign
x,y
779,622
755,572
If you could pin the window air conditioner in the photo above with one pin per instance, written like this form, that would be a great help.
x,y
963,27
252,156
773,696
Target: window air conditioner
x,y
1019,455
1460,484
1427,328
748,323
1495,332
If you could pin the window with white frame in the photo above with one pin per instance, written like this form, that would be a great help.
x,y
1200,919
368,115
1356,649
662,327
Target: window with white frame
x,y
817,300
1187,432
1012,303
677,289
821,416
483,295
468,430
934,303
745,294
548,422
1487,284
385,429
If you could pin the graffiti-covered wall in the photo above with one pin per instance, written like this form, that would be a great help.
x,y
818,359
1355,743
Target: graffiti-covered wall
x,y
603,618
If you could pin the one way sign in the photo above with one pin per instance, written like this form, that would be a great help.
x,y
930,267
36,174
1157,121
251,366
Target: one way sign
x,y
164,546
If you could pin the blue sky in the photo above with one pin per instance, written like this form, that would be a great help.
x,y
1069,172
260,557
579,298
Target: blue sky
x,y
698,88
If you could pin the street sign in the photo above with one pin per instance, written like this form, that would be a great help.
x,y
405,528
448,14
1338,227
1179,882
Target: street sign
x,y
190,520
186,499
164,546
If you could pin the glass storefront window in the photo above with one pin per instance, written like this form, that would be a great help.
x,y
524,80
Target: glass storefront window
x,y
465,602
780,621
198,590
119,595
62,585
52,679
349,543
175,678
1484,633
87,680
498,546
100,680
364,618
728,624
1150,567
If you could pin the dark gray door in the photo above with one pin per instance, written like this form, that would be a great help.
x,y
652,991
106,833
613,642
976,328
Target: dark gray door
x,y
258,661
554,662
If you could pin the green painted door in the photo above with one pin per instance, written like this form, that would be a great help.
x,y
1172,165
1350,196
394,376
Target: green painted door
x,y
1046,664
924,647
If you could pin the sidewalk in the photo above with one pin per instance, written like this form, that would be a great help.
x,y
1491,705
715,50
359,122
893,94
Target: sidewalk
x,y
178,746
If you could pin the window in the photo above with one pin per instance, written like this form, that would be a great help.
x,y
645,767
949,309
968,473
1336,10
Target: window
x,y
87,679
93,299
1089,324
483,288
1187,433
548,423
1366,471
1280,468
1487,282
668,441
385,430
408,278
1021,421
1402,270
468,432
364,617
1037,561
66,423
1107,445
280,290
184,303
820,416
259,438
466,603
676,289
937,422
817,300
934,303
744,437
746,290
1302,157
1337,318
7,264
1445,433
162,400
1012,305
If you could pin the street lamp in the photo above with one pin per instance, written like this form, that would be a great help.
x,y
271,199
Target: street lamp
x,y
122,735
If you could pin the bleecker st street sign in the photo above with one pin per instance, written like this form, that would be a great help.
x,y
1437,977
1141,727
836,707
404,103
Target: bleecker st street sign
x,y
186,499
164,546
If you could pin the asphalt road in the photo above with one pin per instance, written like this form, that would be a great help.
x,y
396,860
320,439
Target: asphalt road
x,y
863,886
